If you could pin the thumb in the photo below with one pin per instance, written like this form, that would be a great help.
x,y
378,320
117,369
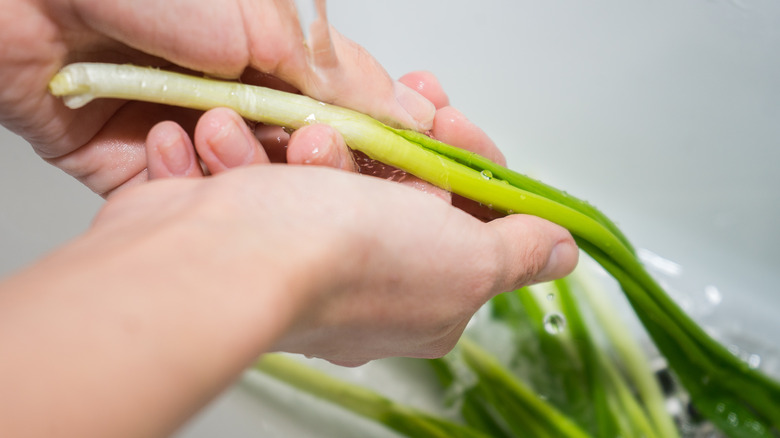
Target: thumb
x,y
533,250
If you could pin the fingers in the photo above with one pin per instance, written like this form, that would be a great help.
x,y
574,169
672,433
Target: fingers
x,y
427,85
169,152
320,145
224,141
452,127
531,250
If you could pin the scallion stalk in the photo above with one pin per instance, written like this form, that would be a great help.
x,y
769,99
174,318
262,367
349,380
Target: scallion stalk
x,y
633,361
525,412
361,401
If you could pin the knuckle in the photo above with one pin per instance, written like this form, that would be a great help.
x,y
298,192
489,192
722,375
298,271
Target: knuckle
x,y
533,261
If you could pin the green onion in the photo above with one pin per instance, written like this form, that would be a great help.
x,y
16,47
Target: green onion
x,y
525,413
740,400
575,365
628,354
359,400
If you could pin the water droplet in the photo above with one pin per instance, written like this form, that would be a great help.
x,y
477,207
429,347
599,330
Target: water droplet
x,y
554,323
550,297
510,211
720,408
733,419
486,175
713,295
755,425
311,118
754,361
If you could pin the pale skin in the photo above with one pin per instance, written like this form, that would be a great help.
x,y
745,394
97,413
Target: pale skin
x,y
181,282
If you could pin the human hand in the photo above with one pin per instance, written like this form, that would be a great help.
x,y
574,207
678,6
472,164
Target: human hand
x,y
351,268
181,283
382,316
261,41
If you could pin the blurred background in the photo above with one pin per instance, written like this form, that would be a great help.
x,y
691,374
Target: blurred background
x,y
665,114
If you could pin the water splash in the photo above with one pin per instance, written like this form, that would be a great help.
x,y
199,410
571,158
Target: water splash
x,y
658,263
713,295
754,361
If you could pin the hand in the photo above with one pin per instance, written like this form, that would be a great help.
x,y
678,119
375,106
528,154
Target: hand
x,y
375,320
182,282
103,144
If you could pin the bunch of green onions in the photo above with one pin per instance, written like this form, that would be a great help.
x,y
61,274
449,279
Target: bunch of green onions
x,y
737,398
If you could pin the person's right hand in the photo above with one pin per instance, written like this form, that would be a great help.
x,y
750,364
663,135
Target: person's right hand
x,y
352,268
181,283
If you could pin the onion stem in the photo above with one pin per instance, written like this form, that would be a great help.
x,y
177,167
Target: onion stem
x,y
360,400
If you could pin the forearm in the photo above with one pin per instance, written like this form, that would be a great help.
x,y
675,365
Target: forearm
x,y
105,338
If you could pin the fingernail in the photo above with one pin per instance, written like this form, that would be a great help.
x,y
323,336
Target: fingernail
x,y
175,156
317,145
560,263
417,106
231,145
